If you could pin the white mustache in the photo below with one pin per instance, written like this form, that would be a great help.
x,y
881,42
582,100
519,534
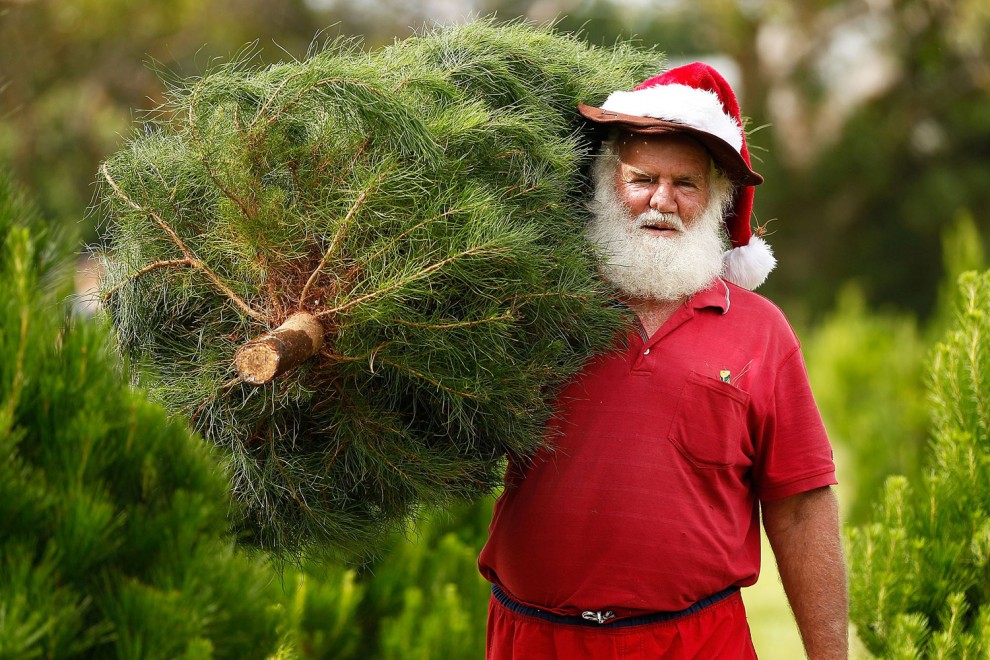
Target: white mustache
x,y
653,218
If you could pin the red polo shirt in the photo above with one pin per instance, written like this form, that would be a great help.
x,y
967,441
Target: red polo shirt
x,y
662,451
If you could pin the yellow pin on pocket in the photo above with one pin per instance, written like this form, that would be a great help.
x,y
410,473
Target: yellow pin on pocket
x,y
724,375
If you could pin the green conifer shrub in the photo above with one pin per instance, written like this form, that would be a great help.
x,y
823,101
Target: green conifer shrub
x,y
443,610
112,517
421,209
867,369
423,597
324,614
920,572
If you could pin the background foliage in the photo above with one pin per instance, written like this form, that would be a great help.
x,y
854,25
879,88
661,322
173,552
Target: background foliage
x,y
113,529
878,137
921,568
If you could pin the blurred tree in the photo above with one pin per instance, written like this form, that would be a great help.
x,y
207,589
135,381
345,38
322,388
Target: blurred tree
x,y
962,250
426,597
423,598
867,371
880,129
867,368
905,164
113,535
920,573
74,71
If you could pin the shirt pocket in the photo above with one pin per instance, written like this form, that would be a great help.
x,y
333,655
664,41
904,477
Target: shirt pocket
x,y
709,426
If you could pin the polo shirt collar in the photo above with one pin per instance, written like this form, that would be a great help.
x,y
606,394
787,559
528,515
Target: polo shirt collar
x,y
716,295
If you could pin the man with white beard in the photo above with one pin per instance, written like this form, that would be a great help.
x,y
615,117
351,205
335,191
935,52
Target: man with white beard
x,y
632,537
651,254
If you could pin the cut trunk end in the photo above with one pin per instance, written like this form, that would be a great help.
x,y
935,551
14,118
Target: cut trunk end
x,y
287,346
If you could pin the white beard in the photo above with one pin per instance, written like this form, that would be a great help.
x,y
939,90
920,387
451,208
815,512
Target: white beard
x,y
644,265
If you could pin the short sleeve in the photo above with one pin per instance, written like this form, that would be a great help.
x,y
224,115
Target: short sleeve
x,y
793,451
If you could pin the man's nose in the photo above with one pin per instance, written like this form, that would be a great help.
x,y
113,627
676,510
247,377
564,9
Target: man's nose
x,y
663,198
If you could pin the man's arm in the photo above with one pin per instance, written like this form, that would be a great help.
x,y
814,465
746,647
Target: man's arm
x,y
804,533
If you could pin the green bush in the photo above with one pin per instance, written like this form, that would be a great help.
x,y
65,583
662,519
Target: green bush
x,y
323,614
112,516
920,572
867,370
423,597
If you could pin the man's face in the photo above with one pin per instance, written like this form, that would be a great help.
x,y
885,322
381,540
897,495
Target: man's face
x,y
665,173
657,220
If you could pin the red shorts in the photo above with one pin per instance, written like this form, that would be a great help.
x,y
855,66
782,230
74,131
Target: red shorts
x,y
719,631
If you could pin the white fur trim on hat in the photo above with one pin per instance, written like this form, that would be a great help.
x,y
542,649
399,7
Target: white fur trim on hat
x,y
697,108
748,266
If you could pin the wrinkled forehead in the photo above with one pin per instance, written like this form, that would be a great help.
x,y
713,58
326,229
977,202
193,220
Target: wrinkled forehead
x,y
656,155
657,146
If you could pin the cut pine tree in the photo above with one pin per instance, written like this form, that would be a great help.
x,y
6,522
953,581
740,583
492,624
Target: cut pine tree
x,y
363,276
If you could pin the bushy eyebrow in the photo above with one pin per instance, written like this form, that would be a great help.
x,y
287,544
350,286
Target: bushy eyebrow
x,y
696,179
627,170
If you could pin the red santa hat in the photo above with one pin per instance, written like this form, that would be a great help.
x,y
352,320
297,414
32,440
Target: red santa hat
x,y
695,99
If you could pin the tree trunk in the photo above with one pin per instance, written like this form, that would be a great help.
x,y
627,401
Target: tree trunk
x,y
287,346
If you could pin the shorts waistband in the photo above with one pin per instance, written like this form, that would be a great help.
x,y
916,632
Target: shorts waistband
x,y
599,619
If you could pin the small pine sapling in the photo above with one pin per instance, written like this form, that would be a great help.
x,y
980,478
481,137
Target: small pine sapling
x,y
920,573
113,518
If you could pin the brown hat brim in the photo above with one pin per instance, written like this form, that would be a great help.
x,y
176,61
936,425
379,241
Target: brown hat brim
x,y
725,156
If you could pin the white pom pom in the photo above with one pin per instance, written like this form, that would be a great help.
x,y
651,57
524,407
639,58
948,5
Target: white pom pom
x,y
749,265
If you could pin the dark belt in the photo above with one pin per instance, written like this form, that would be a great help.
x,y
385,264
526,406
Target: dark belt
x,y
596,619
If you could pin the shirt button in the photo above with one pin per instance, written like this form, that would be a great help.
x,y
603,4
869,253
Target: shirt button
x,y
646,352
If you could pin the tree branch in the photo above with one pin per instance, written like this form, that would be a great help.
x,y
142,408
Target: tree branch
x,y
320,83
412,278
434,382
334,244
191,119
457,324
271,99
147,269
189,254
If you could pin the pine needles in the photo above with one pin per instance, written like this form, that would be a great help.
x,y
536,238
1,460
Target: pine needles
x,y
920,574
425,203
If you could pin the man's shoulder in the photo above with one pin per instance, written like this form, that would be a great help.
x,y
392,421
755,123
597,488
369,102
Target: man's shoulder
x,y
756,312
742,298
